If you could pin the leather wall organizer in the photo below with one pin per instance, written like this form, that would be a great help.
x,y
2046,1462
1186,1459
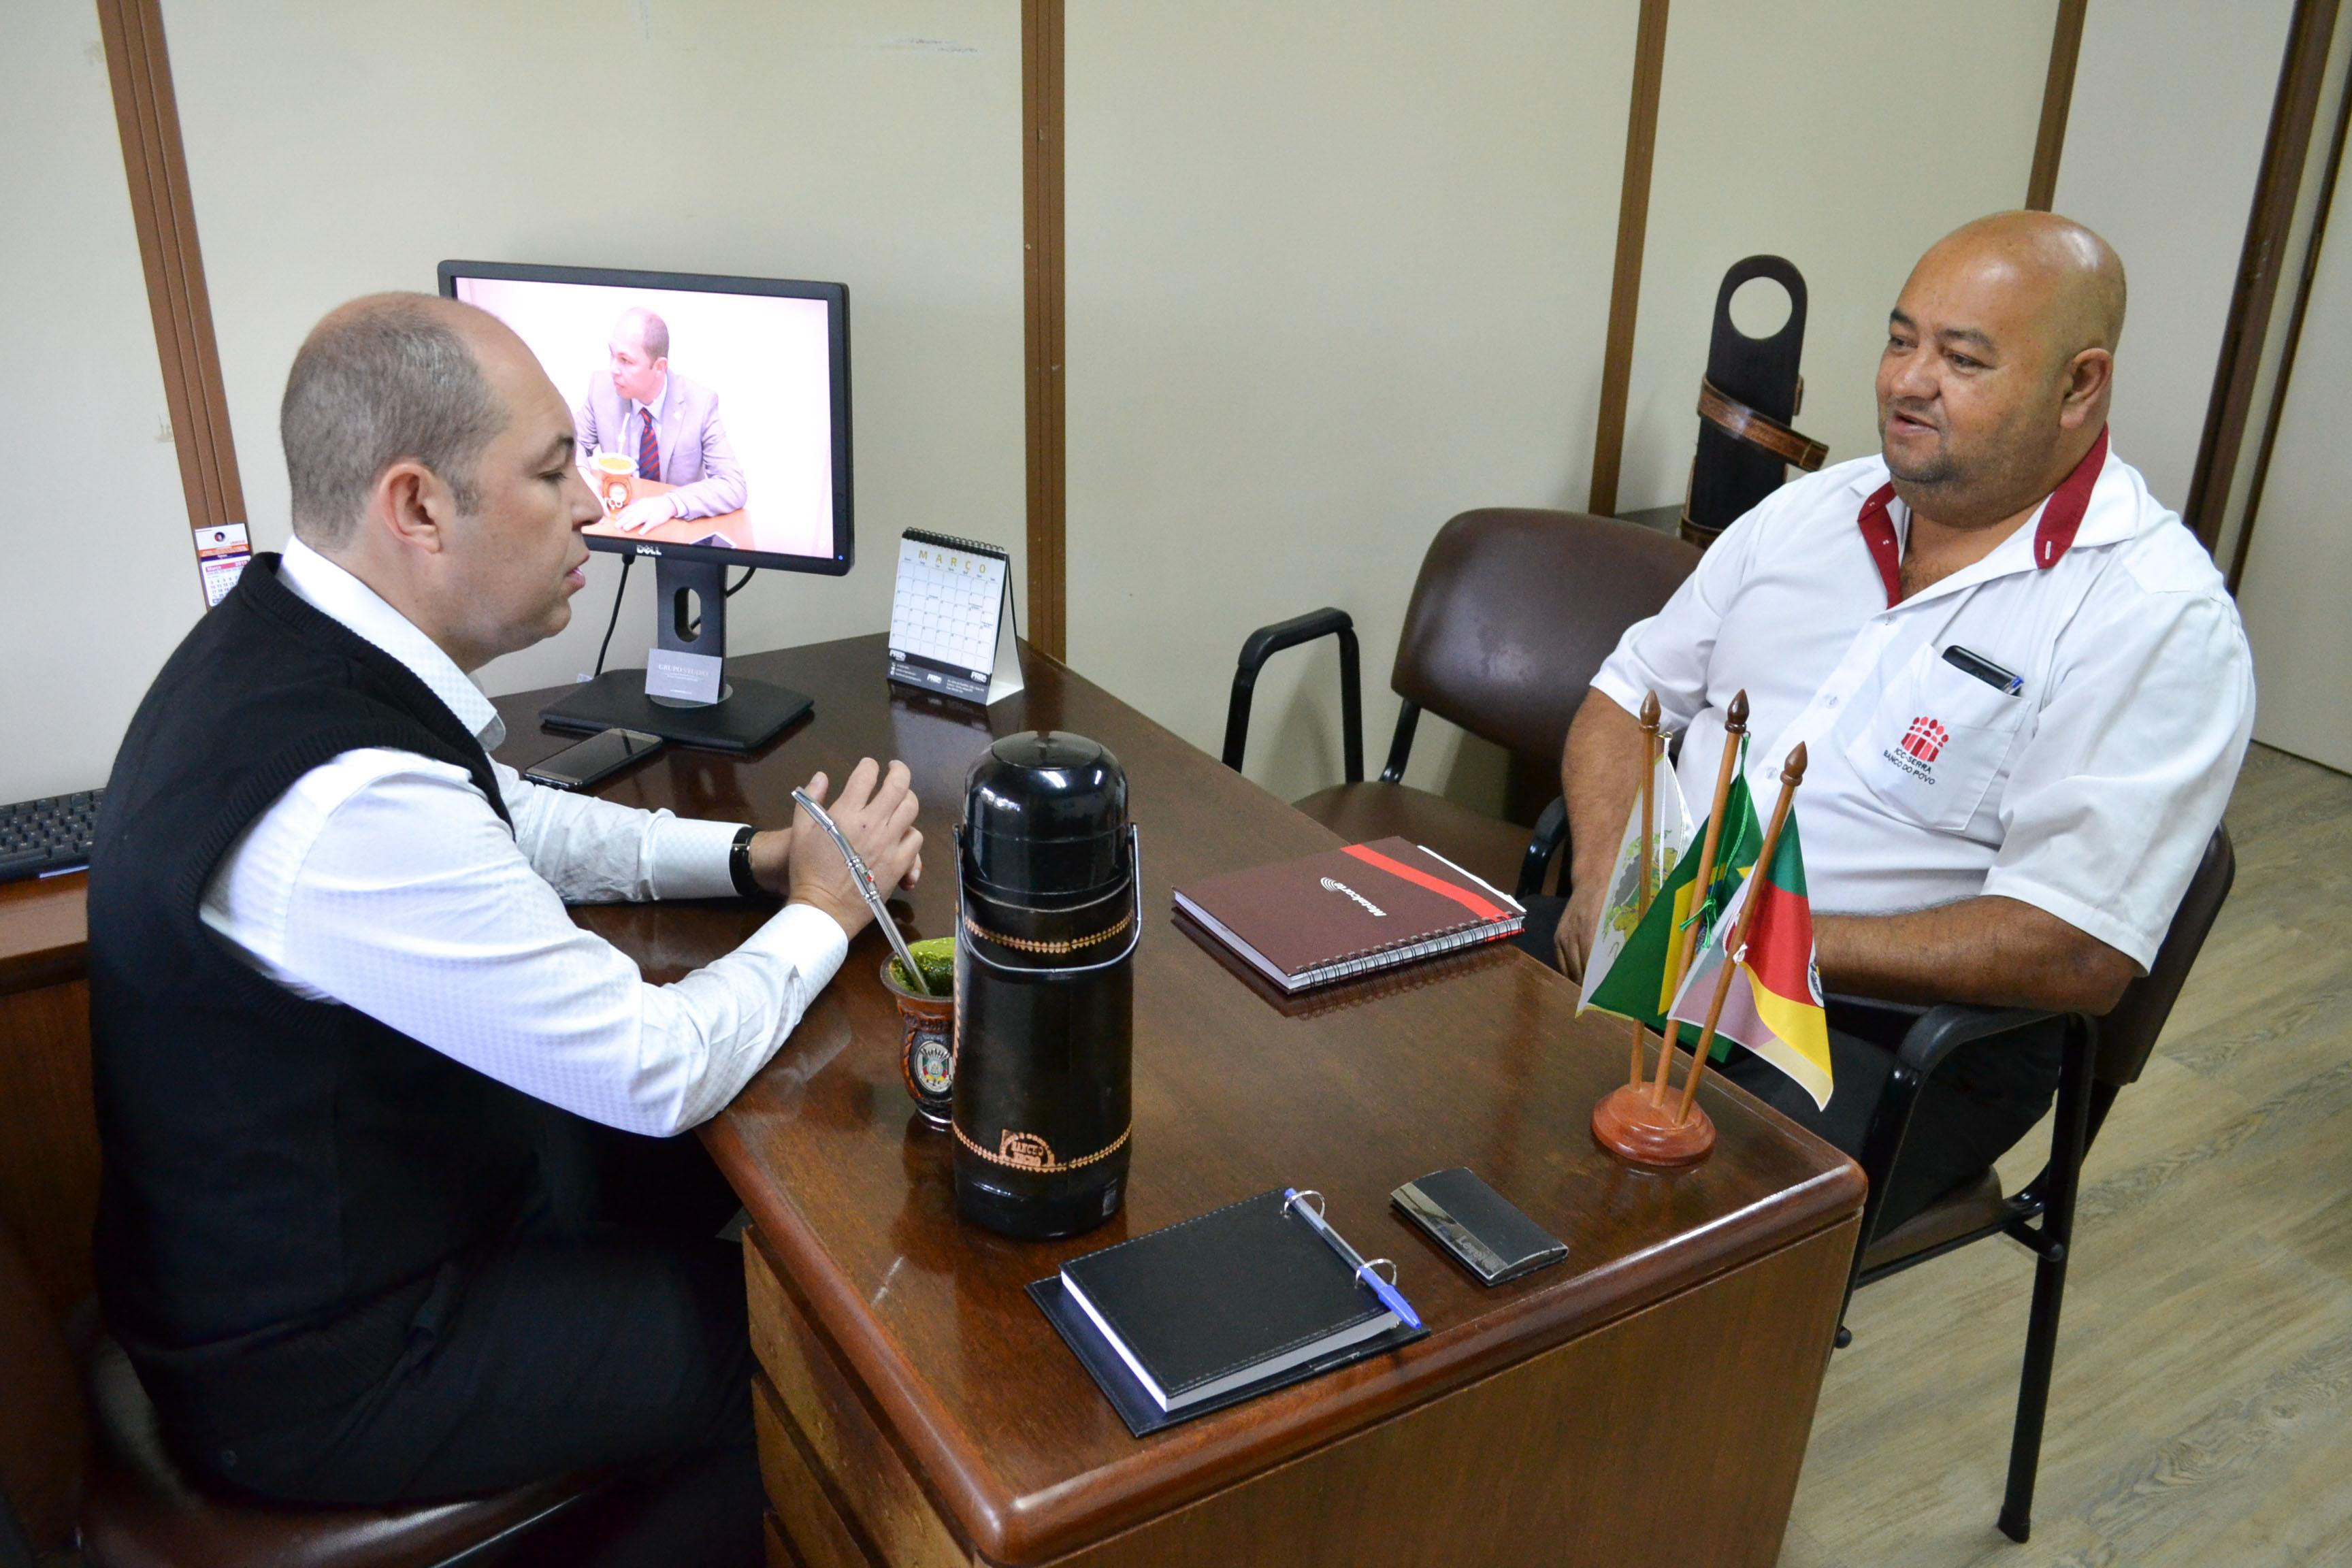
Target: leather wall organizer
x,y
1746,400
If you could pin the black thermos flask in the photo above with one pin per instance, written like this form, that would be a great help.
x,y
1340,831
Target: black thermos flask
x,y
1051,909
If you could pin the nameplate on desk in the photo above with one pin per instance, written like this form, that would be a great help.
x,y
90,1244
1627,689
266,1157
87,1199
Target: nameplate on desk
x,y
683,677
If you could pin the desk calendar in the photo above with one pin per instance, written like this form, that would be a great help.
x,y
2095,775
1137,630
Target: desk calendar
x,y
952,618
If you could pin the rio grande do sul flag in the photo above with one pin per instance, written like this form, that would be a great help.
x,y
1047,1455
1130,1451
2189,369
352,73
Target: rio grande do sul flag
x,y
1670,837
1774,1005
1640,981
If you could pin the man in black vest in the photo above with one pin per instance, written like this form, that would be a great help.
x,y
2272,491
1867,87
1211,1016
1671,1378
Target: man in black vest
x,y
391,1211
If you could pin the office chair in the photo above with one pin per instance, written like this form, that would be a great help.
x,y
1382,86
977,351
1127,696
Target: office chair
x,y
1511,617
138,1510
2100,1057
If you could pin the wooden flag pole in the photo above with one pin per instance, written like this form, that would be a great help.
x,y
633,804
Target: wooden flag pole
x,y
1631,1120
1792,774
1649,841
1735,727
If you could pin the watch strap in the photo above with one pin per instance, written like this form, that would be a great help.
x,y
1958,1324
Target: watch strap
x,y
738,865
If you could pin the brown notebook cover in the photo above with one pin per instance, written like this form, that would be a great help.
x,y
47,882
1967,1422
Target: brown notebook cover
x,y
1348,912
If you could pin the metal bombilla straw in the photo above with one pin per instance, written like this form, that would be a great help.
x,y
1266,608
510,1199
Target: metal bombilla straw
x,y
865,880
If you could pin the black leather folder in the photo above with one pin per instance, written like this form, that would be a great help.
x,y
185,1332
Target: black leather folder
x,y
1238,1303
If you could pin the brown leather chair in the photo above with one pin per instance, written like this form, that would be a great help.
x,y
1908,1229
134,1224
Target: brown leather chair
x,y
136,1509
1511,617
2102,1057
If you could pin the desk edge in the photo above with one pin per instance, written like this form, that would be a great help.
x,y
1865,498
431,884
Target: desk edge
x,y
1018,1528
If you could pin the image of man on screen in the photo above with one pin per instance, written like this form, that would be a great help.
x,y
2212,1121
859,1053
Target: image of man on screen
x,y
668,423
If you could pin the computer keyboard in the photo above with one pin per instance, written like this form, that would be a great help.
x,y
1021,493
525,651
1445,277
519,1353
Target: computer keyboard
x,y
38,837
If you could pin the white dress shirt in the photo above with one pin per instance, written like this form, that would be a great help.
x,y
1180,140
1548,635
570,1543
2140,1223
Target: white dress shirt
x,y
2089,794
383,880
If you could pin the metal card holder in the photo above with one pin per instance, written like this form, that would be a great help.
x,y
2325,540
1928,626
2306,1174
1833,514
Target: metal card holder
x,y
1511,1246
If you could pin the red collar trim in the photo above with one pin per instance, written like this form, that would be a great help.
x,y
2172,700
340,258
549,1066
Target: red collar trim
x,y
1878,532
2063,516
2062,519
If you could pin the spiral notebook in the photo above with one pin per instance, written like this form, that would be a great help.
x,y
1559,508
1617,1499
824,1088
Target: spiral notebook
x,y
1351,911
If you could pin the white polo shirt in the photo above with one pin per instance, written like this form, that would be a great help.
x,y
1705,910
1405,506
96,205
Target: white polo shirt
x,y
2090,792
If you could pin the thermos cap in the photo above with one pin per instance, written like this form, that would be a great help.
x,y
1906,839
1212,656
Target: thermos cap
x,y
1044,814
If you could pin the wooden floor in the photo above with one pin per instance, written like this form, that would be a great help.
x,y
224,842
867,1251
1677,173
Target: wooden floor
x,y
2202,1408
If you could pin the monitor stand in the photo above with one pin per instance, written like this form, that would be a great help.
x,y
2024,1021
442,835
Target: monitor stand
x,y
748,714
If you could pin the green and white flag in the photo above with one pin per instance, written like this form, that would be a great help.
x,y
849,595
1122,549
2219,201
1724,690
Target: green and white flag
x,y
1670,837
1644,971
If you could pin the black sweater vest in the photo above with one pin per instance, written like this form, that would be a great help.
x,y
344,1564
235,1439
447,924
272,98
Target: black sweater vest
x,y
288,1184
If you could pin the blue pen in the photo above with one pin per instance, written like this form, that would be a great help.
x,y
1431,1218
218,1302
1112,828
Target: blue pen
x,y
1387,1291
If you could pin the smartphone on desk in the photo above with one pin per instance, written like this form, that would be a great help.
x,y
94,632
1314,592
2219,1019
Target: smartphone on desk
x,y
598,757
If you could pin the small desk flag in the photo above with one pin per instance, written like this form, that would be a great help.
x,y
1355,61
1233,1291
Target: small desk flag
x,y
1774,1005
1670,837
1643,976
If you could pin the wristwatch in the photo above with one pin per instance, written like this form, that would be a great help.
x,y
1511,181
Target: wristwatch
x,y
739,866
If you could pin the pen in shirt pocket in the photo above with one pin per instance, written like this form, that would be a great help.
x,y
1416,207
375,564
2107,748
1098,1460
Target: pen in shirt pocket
x,y
1984,670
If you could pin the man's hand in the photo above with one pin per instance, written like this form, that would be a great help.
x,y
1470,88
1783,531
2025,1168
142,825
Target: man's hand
x,y
1599,774
875,812
650,513
1572,942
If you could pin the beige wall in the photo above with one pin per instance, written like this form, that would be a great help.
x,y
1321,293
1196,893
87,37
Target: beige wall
x,y
339,149
1846,135
2299,563
1336,273
2164,140
2302,233
101,575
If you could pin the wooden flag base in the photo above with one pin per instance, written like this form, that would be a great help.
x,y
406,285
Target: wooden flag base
x,y
1629,1126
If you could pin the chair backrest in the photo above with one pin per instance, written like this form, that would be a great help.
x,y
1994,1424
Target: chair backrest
x,y
1514,612
2127,1033
43,1433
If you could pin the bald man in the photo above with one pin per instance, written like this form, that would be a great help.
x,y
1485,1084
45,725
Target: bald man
x,y
2022,686
668,425
393,1211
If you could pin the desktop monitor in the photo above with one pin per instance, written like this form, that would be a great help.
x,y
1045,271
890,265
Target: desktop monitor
x,y
713,423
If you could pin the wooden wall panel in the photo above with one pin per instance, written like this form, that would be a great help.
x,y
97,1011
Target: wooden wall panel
x,y
2268,444
157,167
1633,231
2057,98
1043,318
2302,77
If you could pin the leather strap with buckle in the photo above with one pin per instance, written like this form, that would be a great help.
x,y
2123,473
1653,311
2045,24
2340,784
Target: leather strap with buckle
x,y
1759,429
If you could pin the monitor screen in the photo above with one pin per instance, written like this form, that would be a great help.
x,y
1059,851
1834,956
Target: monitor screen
x,y
713,413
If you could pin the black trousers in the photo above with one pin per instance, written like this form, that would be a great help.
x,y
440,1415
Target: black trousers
x,y
1985,1097
607,1336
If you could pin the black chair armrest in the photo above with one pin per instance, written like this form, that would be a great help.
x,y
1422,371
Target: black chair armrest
x,y
1930,1040
1932,1037
1548,841
1263,644
1945,1028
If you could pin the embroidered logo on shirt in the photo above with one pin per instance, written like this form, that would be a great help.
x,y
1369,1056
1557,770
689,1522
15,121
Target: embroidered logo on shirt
x,y
1925,739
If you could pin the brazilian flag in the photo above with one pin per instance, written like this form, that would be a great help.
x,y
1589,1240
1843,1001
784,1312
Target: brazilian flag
x,y
1642,983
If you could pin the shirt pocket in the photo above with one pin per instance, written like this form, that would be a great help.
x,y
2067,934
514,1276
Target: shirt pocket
x,y
1935,741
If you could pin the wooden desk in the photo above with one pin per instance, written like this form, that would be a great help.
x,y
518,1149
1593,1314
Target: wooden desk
x,y
1646,1402
48,1130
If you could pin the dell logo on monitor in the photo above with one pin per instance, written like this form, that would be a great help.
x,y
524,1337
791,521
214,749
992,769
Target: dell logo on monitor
x,y
650,550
